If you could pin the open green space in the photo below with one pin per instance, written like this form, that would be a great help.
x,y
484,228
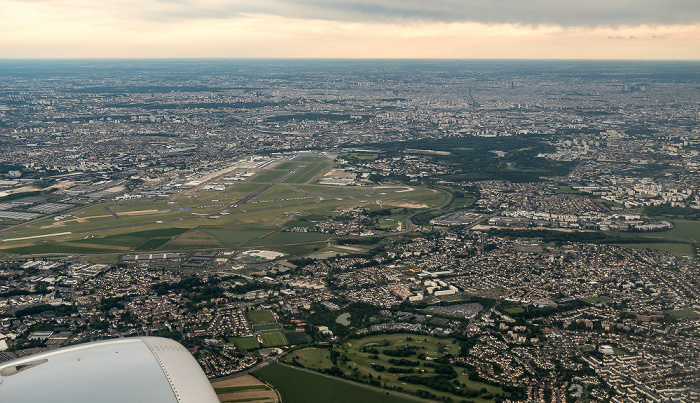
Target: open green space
x,y
247,187
261,316
683,231
192,239
684,313
56,248
273,339
595,300
165,225
279,238
619,351
281,191
234,236
514,310
152,244
296,338
287,165
268,176
372,355
677,249
296,386
245,343
474,159
316,358
307,173
137,240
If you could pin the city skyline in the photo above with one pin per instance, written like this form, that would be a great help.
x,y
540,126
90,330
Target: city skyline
x,y
350,29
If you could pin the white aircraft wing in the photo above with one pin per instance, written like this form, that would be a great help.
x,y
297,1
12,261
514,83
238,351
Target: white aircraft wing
x,y
141,369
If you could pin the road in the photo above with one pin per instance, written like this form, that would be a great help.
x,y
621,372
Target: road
x,y
263,189
109,210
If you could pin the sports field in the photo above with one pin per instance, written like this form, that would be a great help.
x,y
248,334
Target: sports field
x,y
245,343
273,339
261,316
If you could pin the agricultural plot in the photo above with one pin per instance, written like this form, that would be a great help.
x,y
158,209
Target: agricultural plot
x,y
292,384
244,388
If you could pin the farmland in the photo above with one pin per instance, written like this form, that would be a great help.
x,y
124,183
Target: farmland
x,y
293,386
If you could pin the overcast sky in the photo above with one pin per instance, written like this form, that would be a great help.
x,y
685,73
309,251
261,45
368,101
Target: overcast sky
x,y
532,29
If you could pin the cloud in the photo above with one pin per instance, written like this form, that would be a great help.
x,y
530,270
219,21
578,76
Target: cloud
x,y
587,13
565,13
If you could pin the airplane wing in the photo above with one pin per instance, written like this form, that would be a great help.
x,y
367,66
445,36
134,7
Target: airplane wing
x,y
140,369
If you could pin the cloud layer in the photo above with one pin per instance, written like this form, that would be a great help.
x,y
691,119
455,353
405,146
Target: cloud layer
x,y
526,29
566,13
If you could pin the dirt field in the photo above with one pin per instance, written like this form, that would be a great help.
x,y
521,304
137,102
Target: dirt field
x,y
267,396
403,204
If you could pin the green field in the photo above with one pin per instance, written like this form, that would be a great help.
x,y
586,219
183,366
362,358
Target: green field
x,y
677,249
287,165
361,362
296,386
165,225
296,337
152,244
260,316
316,358
245,343
273,339
268,176
684,232
280,238
595,300
307,173
247,187
230,236
685,313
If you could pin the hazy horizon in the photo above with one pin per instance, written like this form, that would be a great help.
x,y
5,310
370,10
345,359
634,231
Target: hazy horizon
x,y
349,29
